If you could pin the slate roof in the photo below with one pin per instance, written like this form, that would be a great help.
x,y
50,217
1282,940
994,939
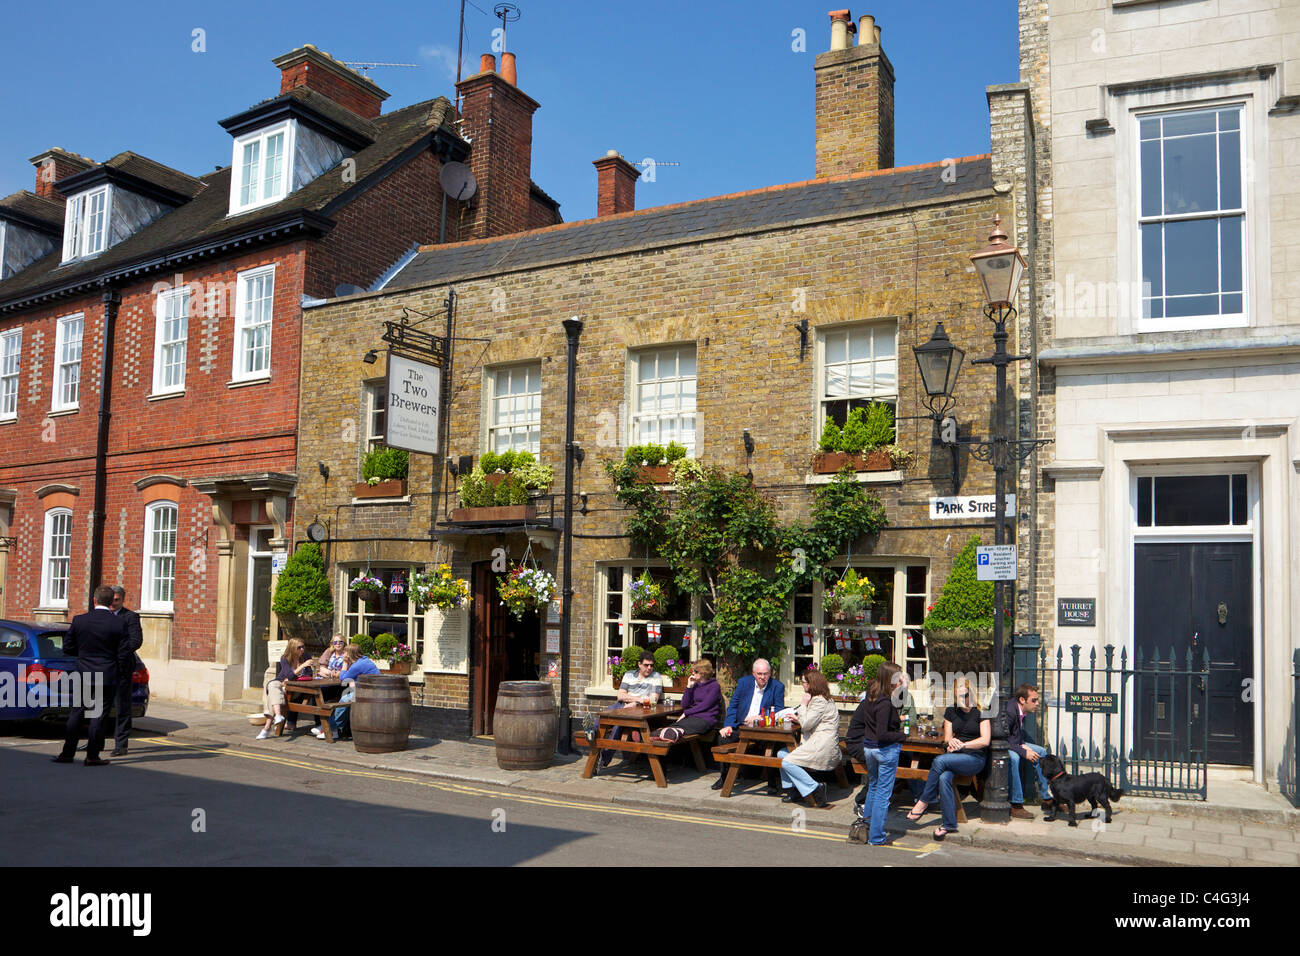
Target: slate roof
x,y
154,172
203,219
756,211
35,207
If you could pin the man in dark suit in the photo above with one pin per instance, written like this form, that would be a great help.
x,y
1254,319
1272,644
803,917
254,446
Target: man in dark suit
x,y
126,667
1025,703
96,640
759,691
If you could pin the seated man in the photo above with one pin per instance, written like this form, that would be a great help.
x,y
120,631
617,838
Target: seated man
x,y
354,665
1026,702
643,685
754,694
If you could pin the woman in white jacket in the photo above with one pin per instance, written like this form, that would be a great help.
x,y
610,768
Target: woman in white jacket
x,y
819,747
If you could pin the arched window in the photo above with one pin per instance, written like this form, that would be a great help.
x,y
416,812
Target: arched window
x,y
159,585
54,560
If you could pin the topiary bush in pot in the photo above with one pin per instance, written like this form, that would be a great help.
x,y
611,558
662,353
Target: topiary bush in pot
x,y
959,627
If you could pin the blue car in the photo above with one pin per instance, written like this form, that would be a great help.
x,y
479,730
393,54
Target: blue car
x,y
32,660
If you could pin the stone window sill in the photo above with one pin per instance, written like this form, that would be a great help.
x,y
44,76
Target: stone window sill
x,y
163,396
404,500
864,478
58,412
244,382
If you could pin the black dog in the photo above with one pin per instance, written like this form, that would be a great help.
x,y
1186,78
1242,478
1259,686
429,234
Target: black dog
x,y
1068,790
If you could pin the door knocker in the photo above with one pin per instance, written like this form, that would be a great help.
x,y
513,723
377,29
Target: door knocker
x,y
1223,613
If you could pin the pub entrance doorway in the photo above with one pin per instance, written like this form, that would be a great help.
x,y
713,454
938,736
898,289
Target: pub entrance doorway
x,y
503,647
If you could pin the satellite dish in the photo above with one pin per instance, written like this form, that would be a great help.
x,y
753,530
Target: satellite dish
x,y
458,182
347,289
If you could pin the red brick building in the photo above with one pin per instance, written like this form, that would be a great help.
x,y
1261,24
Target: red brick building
x,y
149,346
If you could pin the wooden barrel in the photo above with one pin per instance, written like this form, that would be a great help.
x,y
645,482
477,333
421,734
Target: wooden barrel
x,y
524,725
381,714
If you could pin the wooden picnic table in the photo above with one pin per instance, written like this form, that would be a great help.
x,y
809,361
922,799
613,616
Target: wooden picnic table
x,y
308,697
771,739
632,717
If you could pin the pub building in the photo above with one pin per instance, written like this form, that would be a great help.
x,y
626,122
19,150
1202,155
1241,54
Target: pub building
x,y
733,325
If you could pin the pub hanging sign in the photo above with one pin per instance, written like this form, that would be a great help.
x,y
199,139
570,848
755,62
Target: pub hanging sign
x,y
413,395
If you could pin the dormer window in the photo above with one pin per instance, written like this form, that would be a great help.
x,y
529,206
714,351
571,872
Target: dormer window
x,y
260,172
85,226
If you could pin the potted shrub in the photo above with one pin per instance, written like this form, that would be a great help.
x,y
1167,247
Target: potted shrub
x,y
439,589
861,444
302,597
365,644
524,589
832,668
648,597
959,626
853,682
367,587
384,470
672,665
654,462
384,645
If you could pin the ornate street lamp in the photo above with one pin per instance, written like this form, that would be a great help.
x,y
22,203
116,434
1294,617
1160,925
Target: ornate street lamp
x,y
939,362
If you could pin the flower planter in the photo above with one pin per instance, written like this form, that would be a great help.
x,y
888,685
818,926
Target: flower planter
x,y
494,514
953,652
368,598
829,462
396,668
655,474
496,478
394,488
677,686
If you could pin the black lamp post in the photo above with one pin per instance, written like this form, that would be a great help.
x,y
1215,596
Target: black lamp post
x,y
999,267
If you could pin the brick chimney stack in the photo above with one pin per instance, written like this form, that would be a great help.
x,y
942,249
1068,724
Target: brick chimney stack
x,y
55,164
615,185
855,100
320,72
498,122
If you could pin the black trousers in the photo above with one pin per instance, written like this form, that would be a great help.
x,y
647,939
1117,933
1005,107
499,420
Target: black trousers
x,y
122,733
98,726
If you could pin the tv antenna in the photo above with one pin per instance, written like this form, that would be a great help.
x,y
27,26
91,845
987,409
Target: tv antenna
x,y
365,66
506,13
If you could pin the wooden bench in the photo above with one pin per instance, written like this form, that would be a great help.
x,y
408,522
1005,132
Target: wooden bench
x,y
732,755
314,704
654,748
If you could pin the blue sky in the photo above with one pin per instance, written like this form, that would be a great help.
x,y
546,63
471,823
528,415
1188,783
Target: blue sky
x,y
717,87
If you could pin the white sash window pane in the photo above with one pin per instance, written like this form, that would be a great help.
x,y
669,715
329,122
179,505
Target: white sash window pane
x,y
516,409
68,376
860,365
273,167
666,388
160,556
173,328
97,223
10,363
248,174
58,549
255,324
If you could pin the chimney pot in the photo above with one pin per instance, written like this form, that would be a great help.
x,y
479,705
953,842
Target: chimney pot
x,y
841,21
316,70
508,69
487,63
866,29
877,36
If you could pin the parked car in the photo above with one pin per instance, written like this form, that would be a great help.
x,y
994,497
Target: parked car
x,y
31,655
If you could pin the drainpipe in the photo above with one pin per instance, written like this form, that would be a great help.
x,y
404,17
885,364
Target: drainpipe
x,y
572,329
112,299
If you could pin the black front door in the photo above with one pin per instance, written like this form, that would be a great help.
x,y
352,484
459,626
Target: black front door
x,y
1195,597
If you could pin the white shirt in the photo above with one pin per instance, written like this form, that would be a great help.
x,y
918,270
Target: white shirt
x,y
756,701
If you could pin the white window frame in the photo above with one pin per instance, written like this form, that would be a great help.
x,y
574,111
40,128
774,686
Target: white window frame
x,y
48,579
636,417
627,624
239,173
149,575
1255,94
11,363
163,315
79,241
873,393
64,368
1208,321
375,404
493,428
243,280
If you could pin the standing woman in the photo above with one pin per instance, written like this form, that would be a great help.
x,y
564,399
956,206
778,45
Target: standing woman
x,y
819,748
876,737
967,735
291,667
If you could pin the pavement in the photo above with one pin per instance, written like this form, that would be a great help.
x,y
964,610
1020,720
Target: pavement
x,y
1239,825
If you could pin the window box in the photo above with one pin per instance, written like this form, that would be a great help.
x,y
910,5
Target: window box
x,y
655,474
829,462
394,488
495,514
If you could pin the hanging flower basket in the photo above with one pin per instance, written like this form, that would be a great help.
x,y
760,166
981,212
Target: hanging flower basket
x,y
849,600
648,597
524,589
439,589
367,587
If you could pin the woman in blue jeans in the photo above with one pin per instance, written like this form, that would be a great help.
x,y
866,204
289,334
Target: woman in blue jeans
x,y
875,734
967,735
